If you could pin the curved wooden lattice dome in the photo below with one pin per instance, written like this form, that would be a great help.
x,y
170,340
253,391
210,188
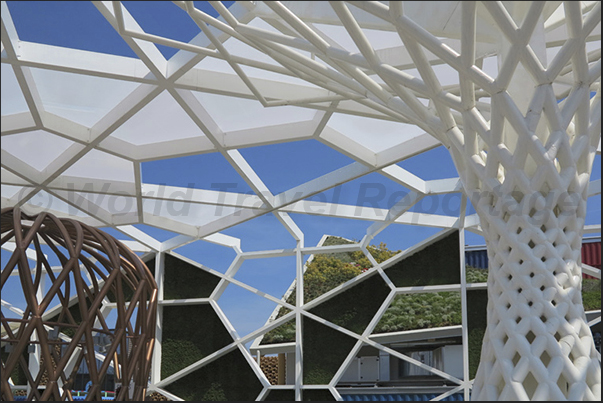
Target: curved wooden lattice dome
x,y
65,317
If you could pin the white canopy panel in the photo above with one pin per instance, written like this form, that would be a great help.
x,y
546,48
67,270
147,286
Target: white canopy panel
x,y
78,120
86,114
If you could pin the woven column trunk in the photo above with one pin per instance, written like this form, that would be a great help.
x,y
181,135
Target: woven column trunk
x,y
537,345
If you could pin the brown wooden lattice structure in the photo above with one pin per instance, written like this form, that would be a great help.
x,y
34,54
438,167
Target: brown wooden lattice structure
x,y
67,308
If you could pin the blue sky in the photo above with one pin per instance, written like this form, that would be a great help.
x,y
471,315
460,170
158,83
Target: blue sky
x,y
79,25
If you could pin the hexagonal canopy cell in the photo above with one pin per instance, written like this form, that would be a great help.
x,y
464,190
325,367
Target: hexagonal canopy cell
x,y
325,349
436,262
355,307
421,311
200,119
190,333
228,378
183,280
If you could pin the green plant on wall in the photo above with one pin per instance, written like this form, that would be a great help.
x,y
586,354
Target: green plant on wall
x,y
192,332
280,395
325,349
184,344
183,280
215,393
477,301
355,307
317,395
17,375
229,378
325,272
436,264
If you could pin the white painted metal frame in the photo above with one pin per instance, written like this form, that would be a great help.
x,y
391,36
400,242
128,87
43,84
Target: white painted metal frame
x,y
349,75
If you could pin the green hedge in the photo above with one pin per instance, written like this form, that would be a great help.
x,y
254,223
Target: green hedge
x,y
229,378
190,333
325,349
477,302
436,264
17,374
355,307
183,280
352,309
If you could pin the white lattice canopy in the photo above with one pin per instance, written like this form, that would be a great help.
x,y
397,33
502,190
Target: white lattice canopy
x,y
511,89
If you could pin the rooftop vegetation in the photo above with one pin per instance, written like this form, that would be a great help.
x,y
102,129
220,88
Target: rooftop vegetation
x,y
355,307
421,311
323,273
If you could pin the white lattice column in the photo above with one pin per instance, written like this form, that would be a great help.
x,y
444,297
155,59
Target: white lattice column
x,y
532,205
537,345
523,139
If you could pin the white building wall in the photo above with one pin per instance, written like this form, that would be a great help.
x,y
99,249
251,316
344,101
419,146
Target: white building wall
x,y
452,358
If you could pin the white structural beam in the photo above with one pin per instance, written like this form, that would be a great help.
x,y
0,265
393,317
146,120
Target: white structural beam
x,y
394,213
464,308
511,89
83,62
